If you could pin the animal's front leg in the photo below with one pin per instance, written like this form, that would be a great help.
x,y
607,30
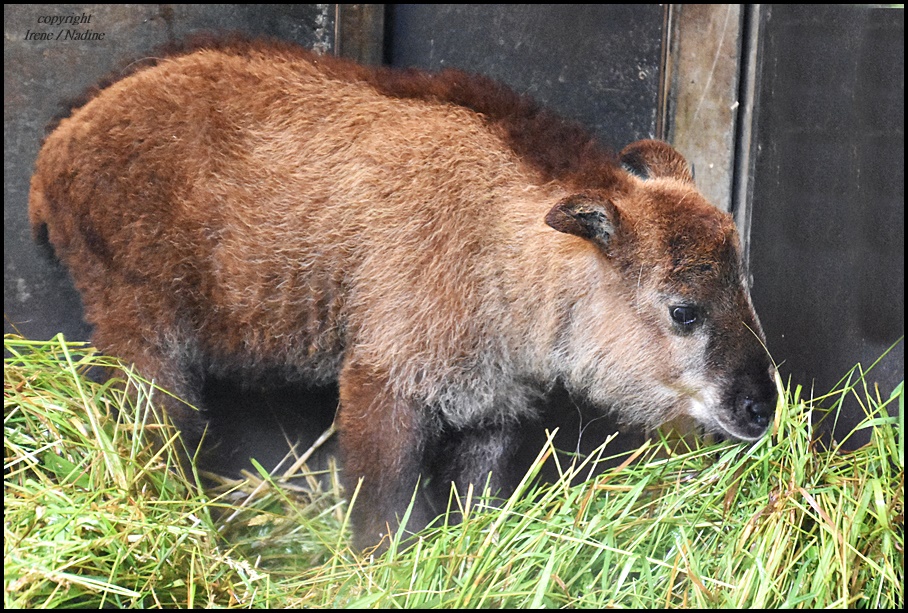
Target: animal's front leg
x,y
478,455
382,441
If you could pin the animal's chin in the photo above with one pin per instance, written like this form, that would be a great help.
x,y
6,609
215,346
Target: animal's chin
x,y
738,432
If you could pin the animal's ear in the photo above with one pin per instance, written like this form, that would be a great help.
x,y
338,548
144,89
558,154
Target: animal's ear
x,y
585,216
650,159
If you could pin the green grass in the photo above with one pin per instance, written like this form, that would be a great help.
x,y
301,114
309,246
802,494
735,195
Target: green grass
x,y
99,513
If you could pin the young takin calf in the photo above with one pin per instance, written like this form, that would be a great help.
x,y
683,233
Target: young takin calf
x,y
440,247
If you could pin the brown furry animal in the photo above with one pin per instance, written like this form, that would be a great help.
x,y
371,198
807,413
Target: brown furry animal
x,y
439,246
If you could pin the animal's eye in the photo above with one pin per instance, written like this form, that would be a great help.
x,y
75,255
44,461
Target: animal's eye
x,y
685,316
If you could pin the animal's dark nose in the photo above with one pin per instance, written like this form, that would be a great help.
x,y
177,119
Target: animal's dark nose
x,y
751,403
758,411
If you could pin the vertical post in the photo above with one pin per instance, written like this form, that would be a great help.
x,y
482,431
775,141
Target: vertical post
x,y
359,32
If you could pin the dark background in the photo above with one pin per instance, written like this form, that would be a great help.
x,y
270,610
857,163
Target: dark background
x,y
828,234
824,144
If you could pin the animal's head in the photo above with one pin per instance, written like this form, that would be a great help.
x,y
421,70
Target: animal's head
x,y
688,339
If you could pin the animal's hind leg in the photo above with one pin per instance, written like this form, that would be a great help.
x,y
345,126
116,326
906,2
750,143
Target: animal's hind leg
x,y
170,369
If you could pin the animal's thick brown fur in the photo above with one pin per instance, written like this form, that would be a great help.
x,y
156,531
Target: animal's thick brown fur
x,y
441,247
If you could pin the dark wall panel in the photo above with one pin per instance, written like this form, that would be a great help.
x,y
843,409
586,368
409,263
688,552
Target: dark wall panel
x,y
594,63
828,242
